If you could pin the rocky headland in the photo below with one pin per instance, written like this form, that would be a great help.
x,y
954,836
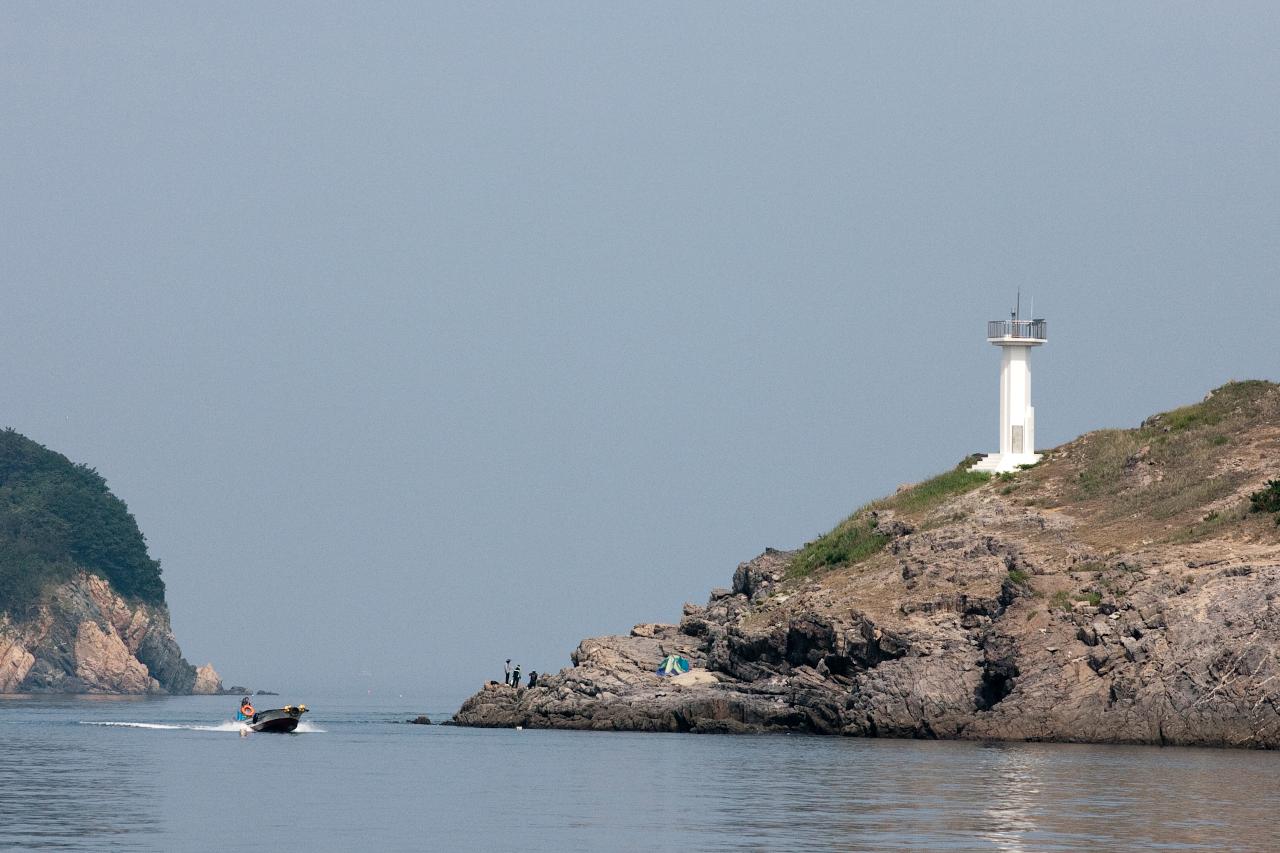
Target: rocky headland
x,y
1122,590
82,606
85,638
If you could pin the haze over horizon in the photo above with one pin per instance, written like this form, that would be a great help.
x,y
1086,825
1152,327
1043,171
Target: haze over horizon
x,y
421,337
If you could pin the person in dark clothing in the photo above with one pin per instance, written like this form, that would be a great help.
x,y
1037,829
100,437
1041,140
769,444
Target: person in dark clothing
x,y
515,677
506,673
533,678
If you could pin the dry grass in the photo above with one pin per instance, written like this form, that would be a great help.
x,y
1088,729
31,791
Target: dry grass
x,y
1184,491
1173,467
1101,457
1214,523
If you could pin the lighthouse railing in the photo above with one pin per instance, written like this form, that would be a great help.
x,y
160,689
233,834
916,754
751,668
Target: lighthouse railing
x,y
1034,329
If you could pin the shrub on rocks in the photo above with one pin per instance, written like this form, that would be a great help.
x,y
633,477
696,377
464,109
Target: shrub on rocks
x,y
1267,500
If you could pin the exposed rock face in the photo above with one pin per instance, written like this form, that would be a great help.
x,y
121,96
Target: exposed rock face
x,y
104,663
1119,592
15,660
85,638
208,682
1196,666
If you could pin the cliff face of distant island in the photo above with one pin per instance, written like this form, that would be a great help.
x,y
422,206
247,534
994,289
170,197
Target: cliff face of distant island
x,y
1124,590
82,606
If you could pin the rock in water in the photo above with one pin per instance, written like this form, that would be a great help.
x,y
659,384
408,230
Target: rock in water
x,y
208,682
1086,599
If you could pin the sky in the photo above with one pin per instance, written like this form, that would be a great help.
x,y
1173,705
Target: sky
x,y
418,336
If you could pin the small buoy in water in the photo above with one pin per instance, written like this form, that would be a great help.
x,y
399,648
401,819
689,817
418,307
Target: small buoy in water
x,y
519,728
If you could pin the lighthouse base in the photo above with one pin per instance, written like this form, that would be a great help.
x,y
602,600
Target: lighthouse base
x,y
999,463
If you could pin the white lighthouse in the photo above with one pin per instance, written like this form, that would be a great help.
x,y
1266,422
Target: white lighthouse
x,y
1015,337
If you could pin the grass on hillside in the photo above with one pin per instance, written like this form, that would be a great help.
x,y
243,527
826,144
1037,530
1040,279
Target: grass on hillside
x,y
929,494
1184,448
851,541
1214,409
1103,455
1066,601
1213,522
855,539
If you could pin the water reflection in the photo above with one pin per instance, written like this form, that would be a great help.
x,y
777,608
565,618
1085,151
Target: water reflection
x,y
1016,786
63,788
1051,797
904,795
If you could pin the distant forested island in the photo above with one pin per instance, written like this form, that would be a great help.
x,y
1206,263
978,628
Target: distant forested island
x,y
82,602
57,518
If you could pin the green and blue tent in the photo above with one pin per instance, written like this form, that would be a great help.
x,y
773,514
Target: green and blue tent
x,y
673,665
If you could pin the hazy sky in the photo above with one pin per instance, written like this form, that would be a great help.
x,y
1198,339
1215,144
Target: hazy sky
x,y
417,336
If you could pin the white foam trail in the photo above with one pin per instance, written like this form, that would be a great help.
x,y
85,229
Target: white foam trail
x,y
228,726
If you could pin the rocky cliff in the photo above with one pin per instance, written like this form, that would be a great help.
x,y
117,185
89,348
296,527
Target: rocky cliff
x,y
85,638
1123,590
82,605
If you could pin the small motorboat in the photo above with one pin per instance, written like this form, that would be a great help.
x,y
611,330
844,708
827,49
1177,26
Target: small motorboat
x,y
277,719
274,720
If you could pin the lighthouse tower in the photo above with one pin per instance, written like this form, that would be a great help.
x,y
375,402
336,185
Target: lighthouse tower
x,y
1015,337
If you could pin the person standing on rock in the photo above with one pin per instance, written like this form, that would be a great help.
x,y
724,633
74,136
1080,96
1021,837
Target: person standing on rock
x,y
533,678
515,677
506,673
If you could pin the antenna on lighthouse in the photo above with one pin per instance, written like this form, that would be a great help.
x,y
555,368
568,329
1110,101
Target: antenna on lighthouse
x,y
1015,337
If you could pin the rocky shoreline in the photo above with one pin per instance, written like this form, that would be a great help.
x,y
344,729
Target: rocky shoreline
x,y
985,667
1029,608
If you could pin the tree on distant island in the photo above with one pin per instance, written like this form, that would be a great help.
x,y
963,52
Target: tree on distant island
x,y
57,517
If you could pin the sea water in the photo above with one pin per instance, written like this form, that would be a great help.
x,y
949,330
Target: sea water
x,y
177,774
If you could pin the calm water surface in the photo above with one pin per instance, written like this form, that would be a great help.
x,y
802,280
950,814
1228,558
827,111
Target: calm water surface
x,y
179,776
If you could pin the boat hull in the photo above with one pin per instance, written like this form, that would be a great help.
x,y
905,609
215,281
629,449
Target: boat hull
x,y
281,720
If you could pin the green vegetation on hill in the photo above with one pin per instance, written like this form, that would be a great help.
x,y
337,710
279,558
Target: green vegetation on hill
x,y
851,541
55,517
855,539
1267,500
923,497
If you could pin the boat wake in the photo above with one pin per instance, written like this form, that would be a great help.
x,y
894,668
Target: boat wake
x,y
227,726
221,727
